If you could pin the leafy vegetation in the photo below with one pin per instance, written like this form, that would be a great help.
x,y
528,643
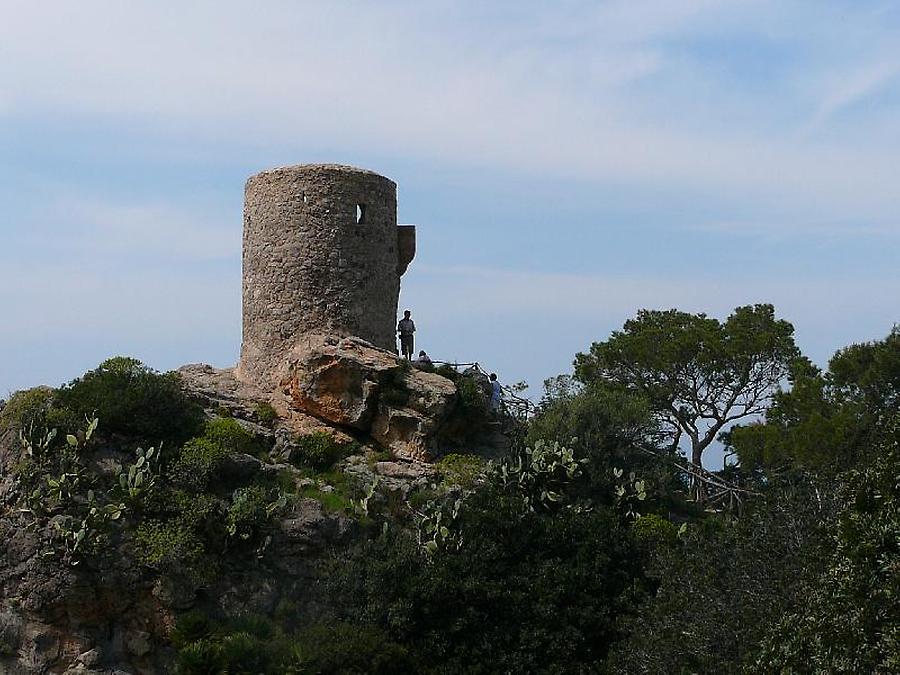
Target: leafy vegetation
x,y
27,410
171,545
320,450
828,420
519,591
849,618
133,401
266,414
461,470
580,551
697,374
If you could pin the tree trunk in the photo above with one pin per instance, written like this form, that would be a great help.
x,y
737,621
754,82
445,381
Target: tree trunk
x,y
696,454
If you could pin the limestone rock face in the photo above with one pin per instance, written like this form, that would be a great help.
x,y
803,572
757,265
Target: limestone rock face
x,y
352,383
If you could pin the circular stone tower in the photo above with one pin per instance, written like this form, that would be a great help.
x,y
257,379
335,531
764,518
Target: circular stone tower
x,y
322,255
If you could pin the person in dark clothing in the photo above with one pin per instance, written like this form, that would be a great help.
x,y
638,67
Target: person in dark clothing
x,y
406,328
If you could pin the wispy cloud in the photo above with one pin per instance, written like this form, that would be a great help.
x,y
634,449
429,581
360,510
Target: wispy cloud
x,y
775,230
645,101
554,90
850,88
115,229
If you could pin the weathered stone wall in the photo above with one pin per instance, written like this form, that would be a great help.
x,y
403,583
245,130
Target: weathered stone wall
x,y
322,254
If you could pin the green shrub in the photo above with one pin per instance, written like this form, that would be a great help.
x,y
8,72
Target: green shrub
x,y
376,456
419,498
266,414
849,618
333,502
245,653
471,395
286,482
190,627
132,400
654,530
248,511
200,510
248,644
197,463
394,397
320,450
448,371
167,545
543,593
227,433
461,470
27,409
348,648
256,625
199,658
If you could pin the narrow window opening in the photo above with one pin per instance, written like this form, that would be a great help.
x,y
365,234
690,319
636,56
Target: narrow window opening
x,y
360,214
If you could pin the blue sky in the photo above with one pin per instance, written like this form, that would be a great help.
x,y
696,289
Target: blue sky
x,y
567,164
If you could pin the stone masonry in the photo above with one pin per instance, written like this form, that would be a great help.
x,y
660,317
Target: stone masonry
x,y
322,255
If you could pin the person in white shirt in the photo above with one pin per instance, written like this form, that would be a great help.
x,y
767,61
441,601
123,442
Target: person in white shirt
x,y
496,393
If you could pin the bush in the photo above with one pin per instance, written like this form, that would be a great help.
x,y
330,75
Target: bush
x,y
461,470
523,592
132,400
241,652
229,435
448,371
197,463
467,421
849,617
168,545
248,644
199,658
266,414
320,450
394,391
471,395
725,582
27,410
654,531
190,627
345,648
248,511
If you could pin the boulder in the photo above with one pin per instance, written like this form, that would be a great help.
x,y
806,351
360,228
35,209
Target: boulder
x,y
351,383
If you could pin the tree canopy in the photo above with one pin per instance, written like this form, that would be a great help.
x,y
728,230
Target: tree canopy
x,y
829,418
698,374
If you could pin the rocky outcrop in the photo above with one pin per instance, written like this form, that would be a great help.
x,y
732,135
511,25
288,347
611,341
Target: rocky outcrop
x,y
352,383
111,616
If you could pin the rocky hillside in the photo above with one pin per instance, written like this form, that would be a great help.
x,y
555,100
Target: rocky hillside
x,y
143,513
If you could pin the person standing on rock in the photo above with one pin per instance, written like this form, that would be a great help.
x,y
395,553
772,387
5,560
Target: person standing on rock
x,y
496,393
406,328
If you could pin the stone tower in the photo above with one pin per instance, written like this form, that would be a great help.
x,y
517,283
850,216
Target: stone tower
x,y
322,255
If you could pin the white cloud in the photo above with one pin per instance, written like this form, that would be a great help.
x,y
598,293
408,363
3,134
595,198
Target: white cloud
x,y
90,227
593,92
849,88
545,90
